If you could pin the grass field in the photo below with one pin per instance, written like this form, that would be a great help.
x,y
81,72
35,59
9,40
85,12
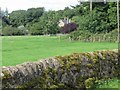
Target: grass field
x,y
113,84
21,49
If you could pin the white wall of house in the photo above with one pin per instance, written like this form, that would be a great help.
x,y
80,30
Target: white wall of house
x,y
63,22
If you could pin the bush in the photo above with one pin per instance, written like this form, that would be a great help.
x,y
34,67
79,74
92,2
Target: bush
x,y
9,31
76,35
87,36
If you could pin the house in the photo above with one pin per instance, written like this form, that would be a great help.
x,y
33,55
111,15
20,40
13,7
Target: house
x,y
63,22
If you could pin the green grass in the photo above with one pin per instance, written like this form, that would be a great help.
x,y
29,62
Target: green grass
x,y
21,49
113,83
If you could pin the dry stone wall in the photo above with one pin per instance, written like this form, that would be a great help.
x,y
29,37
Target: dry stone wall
x,y
79,70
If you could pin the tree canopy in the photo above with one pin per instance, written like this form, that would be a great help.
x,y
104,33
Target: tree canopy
x,y
102,18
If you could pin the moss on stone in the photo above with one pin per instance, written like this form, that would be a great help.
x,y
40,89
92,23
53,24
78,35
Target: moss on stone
x,y
89,66
89,83
6,75
53,87
71,64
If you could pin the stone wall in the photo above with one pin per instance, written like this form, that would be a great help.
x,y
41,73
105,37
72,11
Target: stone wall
x,y
79,70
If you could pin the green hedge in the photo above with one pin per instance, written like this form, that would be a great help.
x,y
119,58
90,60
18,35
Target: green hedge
x,y
91,37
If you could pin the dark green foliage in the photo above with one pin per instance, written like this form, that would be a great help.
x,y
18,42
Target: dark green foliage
x,y
76,35
17,18
68,12
88,36
112,15
47,24
23,17
102,18
10,31
33,14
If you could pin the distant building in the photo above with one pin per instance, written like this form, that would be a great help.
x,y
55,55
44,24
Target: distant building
x,y
63,22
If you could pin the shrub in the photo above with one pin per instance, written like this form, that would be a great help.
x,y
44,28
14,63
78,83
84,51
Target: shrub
x,y
76,35
10,31
87,36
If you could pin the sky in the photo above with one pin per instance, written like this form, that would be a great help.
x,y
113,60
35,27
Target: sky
x,y
12,5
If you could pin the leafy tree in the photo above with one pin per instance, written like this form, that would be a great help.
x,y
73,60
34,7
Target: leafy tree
x,y
36,29
102,19
68,12
47,24
17,18
33,14
112,15
23,17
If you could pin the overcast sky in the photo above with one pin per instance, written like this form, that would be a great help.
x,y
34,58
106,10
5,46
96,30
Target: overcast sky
x,y
25,4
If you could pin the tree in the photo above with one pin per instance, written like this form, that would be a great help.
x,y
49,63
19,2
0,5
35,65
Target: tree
x,y
23,17
68,12
33,14
47,24
17,18
36,29
102,20
112,16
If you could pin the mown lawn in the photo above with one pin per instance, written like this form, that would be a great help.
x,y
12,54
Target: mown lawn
x,y
19,49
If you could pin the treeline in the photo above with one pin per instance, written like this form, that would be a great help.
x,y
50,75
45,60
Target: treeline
x,y
37,21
